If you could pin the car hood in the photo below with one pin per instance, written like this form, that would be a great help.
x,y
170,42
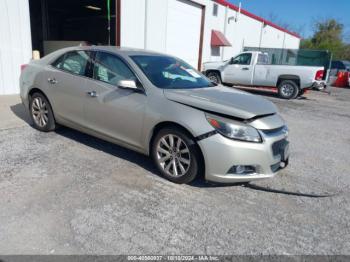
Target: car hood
x,y
218,65
223,100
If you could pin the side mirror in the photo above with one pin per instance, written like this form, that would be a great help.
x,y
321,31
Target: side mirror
x,y
127,84
231,61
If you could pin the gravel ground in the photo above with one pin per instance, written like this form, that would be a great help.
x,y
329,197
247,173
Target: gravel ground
x,y
69,193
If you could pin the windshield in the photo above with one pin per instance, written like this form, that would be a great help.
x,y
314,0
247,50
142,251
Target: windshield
x,y
170,73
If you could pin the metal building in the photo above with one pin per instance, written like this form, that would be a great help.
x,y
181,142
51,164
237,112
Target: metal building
x,y
194,30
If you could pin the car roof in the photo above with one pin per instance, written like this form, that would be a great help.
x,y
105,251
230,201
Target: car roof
x,y
122,51
119,50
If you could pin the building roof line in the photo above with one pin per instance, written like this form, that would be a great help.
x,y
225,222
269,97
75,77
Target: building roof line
x,y
258,18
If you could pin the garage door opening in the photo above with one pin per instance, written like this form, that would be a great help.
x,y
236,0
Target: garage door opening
x,y
58,24
190,35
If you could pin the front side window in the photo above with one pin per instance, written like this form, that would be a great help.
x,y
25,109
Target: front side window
x,y
242,59
74,62
170,73
110,69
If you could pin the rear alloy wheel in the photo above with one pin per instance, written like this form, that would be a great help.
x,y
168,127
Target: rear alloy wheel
x,y
214,77
288,89
175,155
41,113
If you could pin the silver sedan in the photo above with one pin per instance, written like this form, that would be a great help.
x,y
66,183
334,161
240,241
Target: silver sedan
x,y
159,106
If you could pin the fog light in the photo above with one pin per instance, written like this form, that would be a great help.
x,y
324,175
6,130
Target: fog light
x,y
242,170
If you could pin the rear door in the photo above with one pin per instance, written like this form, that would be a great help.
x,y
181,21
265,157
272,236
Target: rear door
x,y
111,111
240,70
66,79
262,70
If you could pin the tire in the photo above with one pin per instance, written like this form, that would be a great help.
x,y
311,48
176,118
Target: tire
x,y
214,77
171,161
41,113
288,89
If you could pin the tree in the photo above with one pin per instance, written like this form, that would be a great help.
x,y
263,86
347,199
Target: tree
x,y
273,17
328,36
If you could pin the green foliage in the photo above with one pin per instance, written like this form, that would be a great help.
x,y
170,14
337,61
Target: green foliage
x,y
328,36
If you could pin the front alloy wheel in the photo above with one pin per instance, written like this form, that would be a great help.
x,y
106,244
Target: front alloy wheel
x,y
176,155
173,155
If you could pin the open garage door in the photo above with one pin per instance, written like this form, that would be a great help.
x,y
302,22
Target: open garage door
x,y
185,31
57,24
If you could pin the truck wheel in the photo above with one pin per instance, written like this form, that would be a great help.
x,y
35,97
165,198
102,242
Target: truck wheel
x,y
288,89
214,77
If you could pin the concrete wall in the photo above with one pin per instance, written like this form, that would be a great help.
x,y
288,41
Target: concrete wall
x,y
15,43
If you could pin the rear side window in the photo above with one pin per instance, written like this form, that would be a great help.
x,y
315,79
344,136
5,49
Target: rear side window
x,y
111,69
263,59
75,62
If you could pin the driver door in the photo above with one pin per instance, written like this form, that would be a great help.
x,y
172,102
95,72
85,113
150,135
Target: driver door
x,y
240,70
114,112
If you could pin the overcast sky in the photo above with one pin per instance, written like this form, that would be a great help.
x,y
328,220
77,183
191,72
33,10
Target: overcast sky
x,y
300,13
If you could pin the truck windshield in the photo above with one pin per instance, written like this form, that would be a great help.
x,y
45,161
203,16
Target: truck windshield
x,y
170,73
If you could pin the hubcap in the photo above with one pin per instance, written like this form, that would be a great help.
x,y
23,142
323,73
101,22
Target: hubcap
x,y
287,90
173,155
40,112
214,79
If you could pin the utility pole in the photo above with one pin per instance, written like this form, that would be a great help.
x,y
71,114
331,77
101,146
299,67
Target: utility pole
x,y
261,33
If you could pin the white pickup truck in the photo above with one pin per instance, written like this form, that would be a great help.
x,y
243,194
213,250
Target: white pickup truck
x,y
253,69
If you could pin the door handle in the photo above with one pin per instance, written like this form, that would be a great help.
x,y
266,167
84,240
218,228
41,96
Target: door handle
x,y
245,68
92,94
52,81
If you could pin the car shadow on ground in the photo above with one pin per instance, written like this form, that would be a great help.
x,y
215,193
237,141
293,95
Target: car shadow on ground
x,y
20,111
141,160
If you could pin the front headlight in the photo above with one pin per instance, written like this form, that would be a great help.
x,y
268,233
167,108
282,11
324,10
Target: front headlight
x,y
233,129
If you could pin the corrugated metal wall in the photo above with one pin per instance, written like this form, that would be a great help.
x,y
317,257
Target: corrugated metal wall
x,y
15,43
144,24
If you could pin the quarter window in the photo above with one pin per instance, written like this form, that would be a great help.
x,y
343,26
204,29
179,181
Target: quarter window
x,y
263,59
110,69
73,62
